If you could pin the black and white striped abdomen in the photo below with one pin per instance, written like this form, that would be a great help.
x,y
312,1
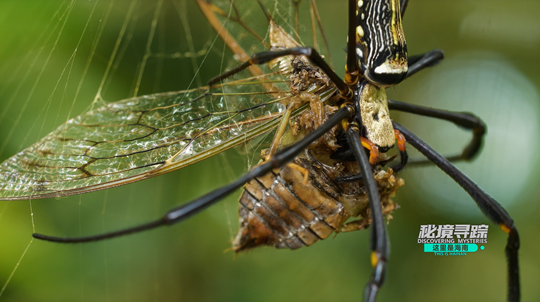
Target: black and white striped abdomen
x,y
381,46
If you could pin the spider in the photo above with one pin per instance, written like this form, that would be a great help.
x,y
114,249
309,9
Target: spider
x,y
362,118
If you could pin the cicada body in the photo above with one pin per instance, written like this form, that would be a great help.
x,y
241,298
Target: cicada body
x,y
281,210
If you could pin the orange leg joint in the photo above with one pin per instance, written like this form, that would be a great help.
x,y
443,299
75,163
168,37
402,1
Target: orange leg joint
x,y
374,258
505,228
351,78
400,140
374,151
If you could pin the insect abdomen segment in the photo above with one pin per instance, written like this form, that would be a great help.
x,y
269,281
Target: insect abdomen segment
x,y
280,210
274,213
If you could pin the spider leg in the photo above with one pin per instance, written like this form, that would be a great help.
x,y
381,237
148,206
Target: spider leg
x,y
186,210
423,61
379,241
490,207
404,157
464,120
352,69
267,56
404,4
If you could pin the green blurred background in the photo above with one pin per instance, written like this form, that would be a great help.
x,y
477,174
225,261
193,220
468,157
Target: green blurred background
x,y
491,69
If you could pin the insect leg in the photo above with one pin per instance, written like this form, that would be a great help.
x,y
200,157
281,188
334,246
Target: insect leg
x,y
379,241
279,134
428,59
355,225
184,211
464,120
490,207
267,56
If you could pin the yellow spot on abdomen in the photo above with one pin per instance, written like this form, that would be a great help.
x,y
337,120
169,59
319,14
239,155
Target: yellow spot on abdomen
x,y
359,31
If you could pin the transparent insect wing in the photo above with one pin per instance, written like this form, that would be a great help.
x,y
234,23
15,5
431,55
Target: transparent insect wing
x,y
142,137
138,138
